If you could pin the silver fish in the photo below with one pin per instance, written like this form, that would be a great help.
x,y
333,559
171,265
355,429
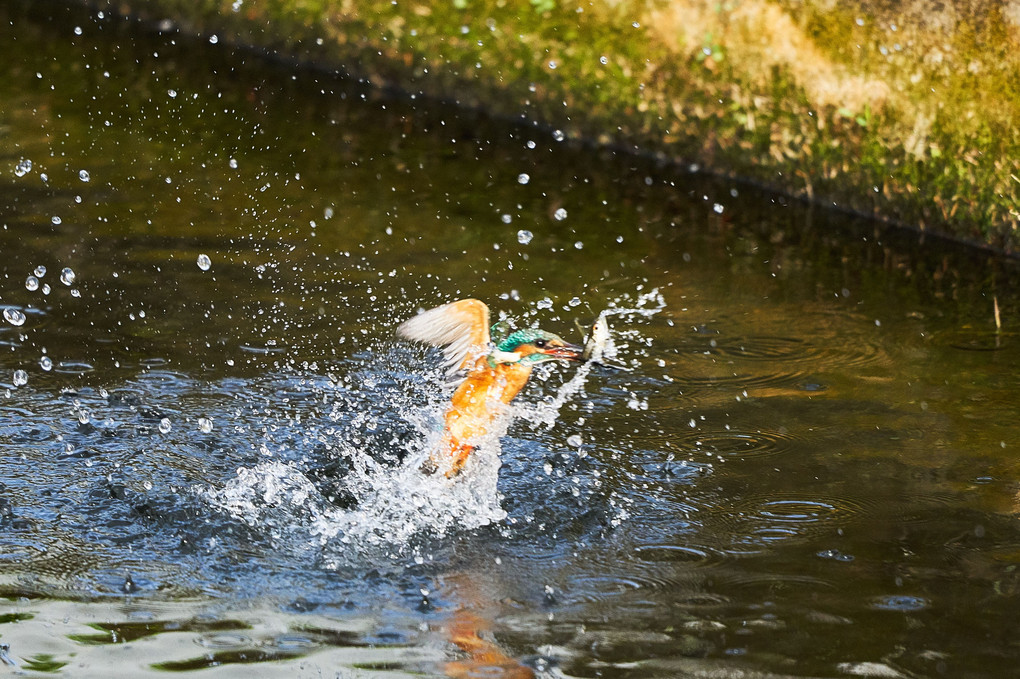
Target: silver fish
x,y
599,340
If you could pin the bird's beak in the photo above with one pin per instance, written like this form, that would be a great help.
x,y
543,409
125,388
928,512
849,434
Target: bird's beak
x,y
568,352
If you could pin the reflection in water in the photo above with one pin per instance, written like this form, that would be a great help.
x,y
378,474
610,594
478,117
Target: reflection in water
x,y
210,436
469,627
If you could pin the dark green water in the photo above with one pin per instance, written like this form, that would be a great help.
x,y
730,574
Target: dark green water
x,y
810,469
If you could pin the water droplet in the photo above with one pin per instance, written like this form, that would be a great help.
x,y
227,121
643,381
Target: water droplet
x,y
560,214
204,262
506,219
14,316
172,93
32,283
20,378
579,245
55,220
233,163
718,208
45,288
213,39
84,175
164,425
205,425
83,416
75,292
524,236
547,468
544,303
531,144
552,65
67,276
46,363
23,167
40,271
574,441
77,30
558,135
603,60
523,178
574,301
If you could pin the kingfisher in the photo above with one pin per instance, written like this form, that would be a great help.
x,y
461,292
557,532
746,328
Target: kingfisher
x,y
488,375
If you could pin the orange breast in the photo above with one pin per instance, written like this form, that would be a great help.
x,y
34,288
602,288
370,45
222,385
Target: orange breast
x,y
476,403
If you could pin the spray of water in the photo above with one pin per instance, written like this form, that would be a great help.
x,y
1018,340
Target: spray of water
x,y
377,501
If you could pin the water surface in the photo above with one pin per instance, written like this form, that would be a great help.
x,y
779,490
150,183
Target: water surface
x,y
209,434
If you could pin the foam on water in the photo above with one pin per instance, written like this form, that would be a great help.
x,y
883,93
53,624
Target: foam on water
x,y
393,505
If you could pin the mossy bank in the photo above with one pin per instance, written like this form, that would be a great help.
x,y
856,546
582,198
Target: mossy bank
x,y
898,110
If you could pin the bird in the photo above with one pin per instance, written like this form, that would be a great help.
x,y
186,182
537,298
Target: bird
x,y
488,376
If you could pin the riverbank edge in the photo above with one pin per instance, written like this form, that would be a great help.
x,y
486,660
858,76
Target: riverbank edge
x,y
597,76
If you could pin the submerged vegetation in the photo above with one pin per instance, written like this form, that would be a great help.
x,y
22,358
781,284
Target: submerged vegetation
x,y
899,110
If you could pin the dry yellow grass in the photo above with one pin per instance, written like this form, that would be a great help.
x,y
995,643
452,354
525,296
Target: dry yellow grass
x,y
759,37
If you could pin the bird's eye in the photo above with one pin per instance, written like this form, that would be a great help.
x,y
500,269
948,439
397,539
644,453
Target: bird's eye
x,y
540,343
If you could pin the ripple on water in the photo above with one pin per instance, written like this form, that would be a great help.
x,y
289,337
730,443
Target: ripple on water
x,y
224,640
736,444
73,367
976,340
738,361
162,378
666,552
733,578
898,602
727,377
764,520
668,565
767,348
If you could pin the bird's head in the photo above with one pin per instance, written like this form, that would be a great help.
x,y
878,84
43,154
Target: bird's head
x,y
537,346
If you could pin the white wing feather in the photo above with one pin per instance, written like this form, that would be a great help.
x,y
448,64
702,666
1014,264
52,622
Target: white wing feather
x,y
461,328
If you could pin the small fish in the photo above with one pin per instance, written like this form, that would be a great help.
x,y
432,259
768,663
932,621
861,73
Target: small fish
x,y
598,347
598,340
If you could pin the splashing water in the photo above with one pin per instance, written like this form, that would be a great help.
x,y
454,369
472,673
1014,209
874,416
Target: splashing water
x,y
545,414
393,504
352,488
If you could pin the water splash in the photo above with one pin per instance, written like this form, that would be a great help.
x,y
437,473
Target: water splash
x,y
628,308
349,487
362,493
14,316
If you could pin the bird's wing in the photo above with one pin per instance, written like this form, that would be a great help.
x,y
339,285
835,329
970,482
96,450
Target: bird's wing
x,y
461,328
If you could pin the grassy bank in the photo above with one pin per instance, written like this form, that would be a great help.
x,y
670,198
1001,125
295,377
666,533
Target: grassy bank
x,y
904,112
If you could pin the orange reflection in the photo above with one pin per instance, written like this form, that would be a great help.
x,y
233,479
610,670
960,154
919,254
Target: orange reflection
x,y
470,629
